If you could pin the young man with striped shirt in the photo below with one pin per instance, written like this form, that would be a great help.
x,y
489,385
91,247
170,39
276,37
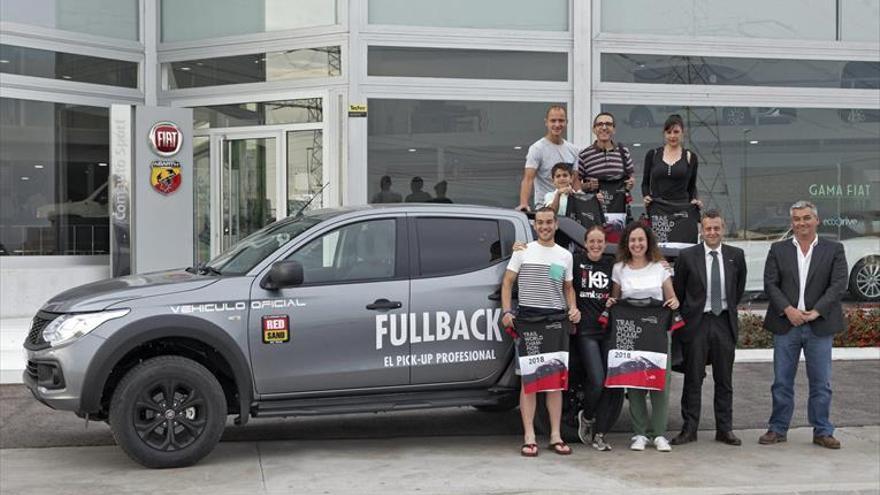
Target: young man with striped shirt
x,y
543,271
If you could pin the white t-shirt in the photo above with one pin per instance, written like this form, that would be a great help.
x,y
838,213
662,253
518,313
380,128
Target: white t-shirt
x,y
641,283
542,155
541,271
563,202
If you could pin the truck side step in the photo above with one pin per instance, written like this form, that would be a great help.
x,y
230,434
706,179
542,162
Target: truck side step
x,y
377,403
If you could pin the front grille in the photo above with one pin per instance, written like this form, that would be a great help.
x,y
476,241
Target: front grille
x,y
35,339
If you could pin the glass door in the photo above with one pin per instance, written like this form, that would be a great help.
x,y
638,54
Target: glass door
x,y
248,185
247,179
305,170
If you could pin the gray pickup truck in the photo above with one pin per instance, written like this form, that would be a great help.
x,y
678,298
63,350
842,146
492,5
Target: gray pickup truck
x,y
374,308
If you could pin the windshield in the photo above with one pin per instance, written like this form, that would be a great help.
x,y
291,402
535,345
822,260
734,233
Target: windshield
x,y
250,251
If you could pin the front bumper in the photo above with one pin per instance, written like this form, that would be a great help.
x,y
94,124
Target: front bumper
x,y
55,375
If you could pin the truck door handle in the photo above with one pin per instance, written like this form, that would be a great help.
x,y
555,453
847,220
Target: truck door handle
x,y
384,304
495,296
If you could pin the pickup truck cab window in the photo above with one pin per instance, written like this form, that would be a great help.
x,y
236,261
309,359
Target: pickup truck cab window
x,y
359,251
455,245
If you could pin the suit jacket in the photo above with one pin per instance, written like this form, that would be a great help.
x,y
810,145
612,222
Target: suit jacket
x,y
691,285
826,283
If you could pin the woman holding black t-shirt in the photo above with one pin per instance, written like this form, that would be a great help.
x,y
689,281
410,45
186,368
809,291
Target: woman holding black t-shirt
x,y
592,280
671,171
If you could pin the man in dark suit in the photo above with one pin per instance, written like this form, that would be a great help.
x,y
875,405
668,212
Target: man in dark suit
x,y
710,279
804,278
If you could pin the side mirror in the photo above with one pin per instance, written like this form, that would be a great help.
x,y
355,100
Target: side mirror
x,y
283,274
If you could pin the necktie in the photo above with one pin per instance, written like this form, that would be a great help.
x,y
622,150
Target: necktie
x,y
715,285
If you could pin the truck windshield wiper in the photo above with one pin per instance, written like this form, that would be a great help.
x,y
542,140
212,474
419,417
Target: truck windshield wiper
x,y
210,270
203,269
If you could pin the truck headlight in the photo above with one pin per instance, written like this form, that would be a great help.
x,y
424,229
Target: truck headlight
x,y
67,328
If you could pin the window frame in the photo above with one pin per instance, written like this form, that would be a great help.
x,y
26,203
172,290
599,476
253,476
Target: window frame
x,y
402,252
414,247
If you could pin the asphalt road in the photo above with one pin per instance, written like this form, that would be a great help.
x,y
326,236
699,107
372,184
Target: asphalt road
x,y
26,423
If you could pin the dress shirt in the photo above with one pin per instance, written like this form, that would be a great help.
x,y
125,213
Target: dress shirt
x,y
708,259
803,269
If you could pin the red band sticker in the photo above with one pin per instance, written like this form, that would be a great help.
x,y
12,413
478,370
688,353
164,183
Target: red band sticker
x,y
276,329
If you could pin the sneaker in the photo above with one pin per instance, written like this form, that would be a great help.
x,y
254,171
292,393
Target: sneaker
x,y
585,428
662,444
600,444
639,442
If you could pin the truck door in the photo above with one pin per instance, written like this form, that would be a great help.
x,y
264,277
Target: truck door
x,y
355,281
457,265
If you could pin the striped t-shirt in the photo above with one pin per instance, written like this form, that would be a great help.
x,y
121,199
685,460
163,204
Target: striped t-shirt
x,y
602,164
541,272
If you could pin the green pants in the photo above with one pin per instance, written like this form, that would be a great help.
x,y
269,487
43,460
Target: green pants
x,y
638,405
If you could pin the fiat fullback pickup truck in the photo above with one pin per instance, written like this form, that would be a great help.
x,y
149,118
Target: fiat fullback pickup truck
x,y
360,309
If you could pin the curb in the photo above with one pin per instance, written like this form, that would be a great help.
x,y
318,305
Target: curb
x,y
837,354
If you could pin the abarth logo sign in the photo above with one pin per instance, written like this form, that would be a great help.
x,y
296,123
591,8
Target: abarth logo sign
x,y
166,138
165,176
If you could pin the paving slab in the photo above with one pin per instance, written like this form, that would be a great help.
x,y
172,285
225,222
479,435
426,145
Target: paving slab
x,y
24,422
461,465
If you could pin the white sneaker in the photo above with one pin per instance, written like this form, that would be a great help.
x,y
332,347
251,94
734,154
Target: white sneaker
x,y
585,428
639,442
662,444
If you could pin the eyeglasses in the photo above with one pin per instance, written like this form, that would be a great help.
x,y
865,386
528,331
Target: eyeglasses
x,y
603,124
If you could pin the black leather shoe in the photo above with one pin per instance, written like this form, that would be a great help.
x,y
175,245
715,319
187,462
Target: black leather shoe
x,y
684,437
727,437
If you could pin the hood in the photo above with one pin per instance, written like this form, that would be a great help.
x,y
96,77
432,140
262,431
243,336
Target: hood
x,y
100,295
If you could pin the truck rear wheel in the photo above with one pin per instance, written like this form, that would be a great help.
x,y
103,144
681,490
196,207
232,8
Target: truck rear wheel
x,y
168,411
572,403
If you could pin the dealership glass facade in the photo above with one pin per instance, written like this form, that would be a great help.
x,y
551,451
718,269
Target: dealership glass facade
x,y
782,101
53,178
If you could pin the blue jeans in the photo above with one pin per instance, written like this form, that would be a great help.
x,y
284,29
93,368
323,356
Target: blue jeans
x,y
817,354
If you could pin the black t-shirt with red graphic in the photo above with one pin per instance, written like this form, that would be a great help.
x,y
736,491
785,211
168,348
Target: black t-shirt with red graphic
x,y
592,286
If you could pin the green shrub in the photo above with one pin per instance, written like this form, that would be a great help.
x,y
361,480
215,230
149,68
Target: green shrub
x,y
863,330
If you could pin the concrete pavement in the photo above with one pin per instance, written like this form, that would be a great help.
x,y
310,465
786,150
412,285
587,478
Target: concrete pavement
x,y
461,451
461,465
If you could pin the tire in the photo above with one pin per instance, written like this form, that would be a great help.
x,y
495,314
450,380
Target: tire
x,y
572,403
864,281
179,436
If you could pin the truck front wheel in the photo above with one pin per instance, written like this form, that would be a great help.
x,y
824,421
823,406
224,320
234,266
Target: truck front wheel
x,y
168,411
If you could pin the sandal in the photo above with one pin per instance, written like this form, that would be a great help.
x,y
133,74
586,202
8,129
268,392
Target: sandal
x,y
529,450
560,448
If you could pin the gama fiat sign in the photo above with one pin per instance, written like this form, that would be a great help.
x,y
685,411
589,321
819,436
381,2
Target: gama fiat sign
x,y
166,138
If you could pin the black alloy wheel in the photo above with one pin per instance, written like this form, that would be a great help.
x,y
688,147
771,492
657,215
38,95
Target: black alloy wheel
x,y
169,415
168,411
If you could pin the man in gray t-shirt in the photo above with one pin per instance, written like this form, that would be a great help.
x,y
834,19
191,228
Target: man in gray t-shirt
x,y
543,154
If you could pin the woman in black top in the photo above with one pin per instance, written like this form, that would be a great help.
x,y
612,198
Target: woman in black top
x,y
671,171
592,279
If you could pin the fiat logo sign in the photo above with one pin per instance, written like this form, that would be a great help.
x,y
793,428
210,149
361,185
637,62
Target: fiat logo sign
x,y
166,138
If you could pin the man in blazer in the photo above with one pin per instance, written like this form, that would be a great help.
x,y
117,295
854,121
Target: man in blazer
x,y
709,280
804,278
